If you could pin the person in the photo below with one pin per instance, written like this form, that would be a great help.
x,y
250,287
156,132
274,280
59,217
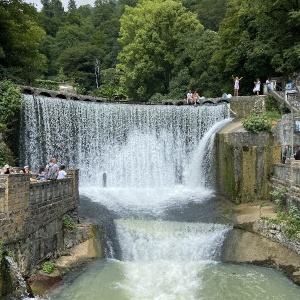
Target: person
x,y
236,85
62,174
256,86
6,169
287,153
26,170
268,83
297,155
189,97
42,174
195,97
52,169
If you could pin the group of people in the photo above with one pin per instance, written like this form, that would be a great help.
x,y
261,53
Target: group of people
x,y
50,172
256,88
192,98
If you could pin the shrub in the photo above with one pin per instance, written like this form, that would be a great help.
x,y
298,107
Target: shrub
x,y
257,123
48,267
68,222
279,195
10,102
289,221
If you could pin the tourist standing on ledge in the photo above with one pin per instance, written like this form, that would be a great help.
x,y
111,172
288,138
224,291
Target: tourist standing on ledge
x,y
236,85
52,169
256,86
268,83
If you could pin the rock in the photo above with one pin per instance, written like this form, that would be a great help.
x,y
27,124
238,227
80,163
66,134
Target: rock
x,y
41,283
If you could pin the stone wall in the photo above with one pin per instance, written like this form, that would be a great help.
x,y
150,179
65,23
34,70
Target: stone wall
x,y
245,105
31,216
288,176
245,163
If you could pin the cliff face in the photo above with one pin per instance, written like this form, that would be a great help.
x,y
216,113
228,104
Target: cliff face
x,y
245,163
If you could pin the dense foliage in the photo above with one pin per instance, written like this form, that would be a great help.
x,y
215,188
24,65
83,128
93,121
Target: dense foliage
x,y
150,48
10,105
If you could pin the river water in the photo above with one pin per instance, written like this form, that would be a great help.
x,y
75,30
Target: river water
x,y
163,230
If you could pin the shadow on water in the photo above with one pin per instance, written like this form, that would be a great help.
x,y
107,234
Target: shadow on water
x,y
100,215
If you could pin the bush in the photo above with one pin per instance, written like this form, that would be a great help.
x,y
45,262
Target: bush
x,y
68,222
279,195
289,221
257,123
48,267
10,102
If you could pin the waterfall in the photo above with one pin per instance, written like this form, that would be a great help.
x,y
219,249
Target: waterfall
x,y
138,146
18,282
157,162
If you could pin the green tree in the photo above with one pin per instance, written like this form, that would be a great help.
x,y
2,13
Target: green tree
x,y
20,38
72,5
149,34
78,63
210,13
258,39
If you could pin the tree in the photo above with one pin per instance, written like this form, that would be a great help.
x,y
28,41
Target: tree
x,y
149,34
72,5
210,13
20,38
258,39
78,63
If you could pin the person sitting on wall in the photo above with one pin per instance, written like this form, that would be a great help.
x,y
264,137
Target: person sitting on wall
x,y
189,97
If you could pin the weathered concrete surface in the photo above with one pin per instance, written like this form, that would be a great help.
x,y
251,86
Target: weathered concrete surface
x,y
248,245
245,163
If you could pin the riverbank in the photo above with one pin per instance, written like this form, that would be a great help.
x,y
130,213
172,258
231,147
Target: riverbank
x,y
247,243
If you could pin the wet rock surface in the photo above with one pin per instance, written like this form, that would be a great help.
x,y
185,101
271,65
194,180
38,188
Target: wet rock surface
x,y
250,242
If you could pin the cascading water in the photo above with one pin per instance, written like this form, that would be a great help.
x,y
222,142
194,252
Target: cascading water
x,y
158,162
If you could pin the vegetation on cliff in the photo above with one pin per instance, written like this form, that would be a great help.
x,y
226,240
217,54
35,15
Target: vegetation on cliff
x,y
10,105
287,218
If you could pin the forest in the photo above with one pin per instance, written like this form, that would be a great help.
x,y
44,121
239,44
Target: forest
x,y
149,49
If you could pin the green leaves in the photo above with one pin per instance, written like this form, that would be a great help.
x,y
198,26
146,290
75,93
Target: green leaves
x,y
10,101
150,34
257,123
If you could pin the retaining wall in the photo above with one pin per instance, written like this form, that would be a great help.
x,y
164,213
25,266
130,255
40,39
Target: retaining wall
x,y
245,163
31,216
288,175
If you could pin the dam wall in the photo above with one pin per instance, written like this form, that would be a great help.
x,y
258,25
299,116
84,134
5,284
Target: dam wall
x,y
31,216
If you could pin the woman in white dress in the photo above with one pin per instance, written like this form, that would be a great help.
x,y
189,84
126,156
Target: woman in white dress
x,y
256,86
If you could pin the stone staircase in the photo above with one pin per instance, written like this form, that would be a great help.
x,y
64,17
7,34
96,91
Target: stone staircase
x,y
290,97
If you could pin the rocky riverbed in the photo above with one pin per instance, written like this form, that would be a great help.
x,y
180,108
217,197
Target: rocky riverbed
x,y
253,242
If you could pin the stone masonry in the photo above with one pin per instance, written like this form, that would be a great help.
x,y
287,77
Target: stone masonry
x,y
31,216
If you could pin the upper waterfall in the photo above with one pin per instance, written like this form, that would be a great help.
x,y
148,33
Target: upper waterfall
x,y
134,145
